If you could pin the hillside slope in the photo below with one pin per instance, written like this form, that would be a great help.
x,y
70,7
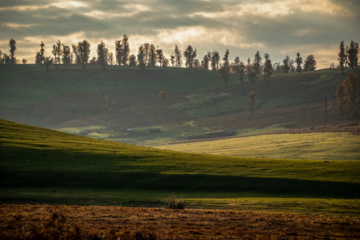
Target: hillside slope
x,y
196,103
40,165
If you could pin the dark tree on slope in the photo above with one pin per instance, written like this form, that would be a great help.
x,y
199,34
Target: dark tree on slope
x,y
84,53
352,53
141,57
241,71
250,72
12,45
126,50
352,85
66,57
298,61
267,70
342,56
310,63
76,52
177,57
57,52
160,56
189,55
102,52
118,52
48,61
111,58
172,59
215,60
251,102
287,64
39,59
257,63
152,56
342,97
132,60
226,59
205,61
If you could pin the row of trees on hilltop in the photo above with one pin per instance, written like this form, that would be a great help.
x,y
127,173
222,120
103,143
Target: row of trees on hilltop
x,y
149,55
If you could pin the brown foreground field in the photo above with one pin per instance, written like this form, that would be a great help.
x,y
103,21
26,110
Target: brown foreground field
x,y
100,222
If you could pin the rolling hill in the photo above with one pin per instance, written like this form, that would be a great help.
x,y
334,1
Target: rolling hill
x,y
196,106
46,166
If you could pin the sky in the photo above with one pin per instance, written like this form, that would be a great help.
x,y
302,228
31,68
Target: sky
x,y
276,27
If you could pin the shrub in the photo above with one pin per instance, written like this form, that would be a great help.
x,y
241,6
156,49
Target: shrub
x,y
175,203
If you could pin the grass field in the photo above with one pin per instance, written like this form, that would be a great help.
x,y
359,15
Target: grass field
x,y
44,166
316,146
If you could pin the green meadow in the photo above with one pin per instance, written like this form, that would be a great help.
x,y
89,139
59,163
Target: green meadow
x,y
45,166
316,146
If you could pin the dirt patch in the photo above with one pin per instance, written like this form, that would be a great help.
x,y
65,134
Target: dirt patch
x,y
18,221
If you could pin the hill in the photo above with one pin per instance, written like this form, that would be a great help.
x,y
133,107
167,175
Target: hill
x,y
40,165
196,106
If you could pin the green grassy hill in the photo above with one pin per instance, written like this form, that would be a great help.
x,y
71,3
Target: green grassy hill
x,y
39,165
71,100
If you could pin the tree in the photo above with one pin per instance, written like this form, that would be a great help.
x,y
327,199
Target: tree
x,y
190,55
132,60
224,75
118,52
126,50
12,45
111,58
160,56
141,57
251,102
226,59
146,53
342,97
342,56
177,57
352,85
352,53
196,63
206,60
102,52
241,71
39,59
267,68
310,63
84,53
298,61
257,63
57,52
287,64
76,53
152,55
172,59
250,72
24,61
66,57
215,60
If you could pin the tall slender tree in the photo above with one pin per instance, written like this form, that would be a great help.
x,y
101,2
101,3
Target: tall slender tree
x,y
152,56
118,52
267,70
160,56
298,61
251,102
172,59
190,55
12,45
141,57
352,53
126,49
132,60
342,56
177,56
206,60
102,52
215,60
66,57
257,63
226,59
84,53
287,64
250,72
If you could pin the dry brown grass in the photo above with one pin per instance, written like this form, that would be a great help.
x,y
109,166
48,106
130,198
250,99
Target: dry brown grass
x,y
98,222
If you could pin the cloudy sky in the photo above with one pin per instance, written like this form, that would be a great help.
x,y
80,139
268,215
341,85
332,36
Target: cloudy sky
x,y
276,27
